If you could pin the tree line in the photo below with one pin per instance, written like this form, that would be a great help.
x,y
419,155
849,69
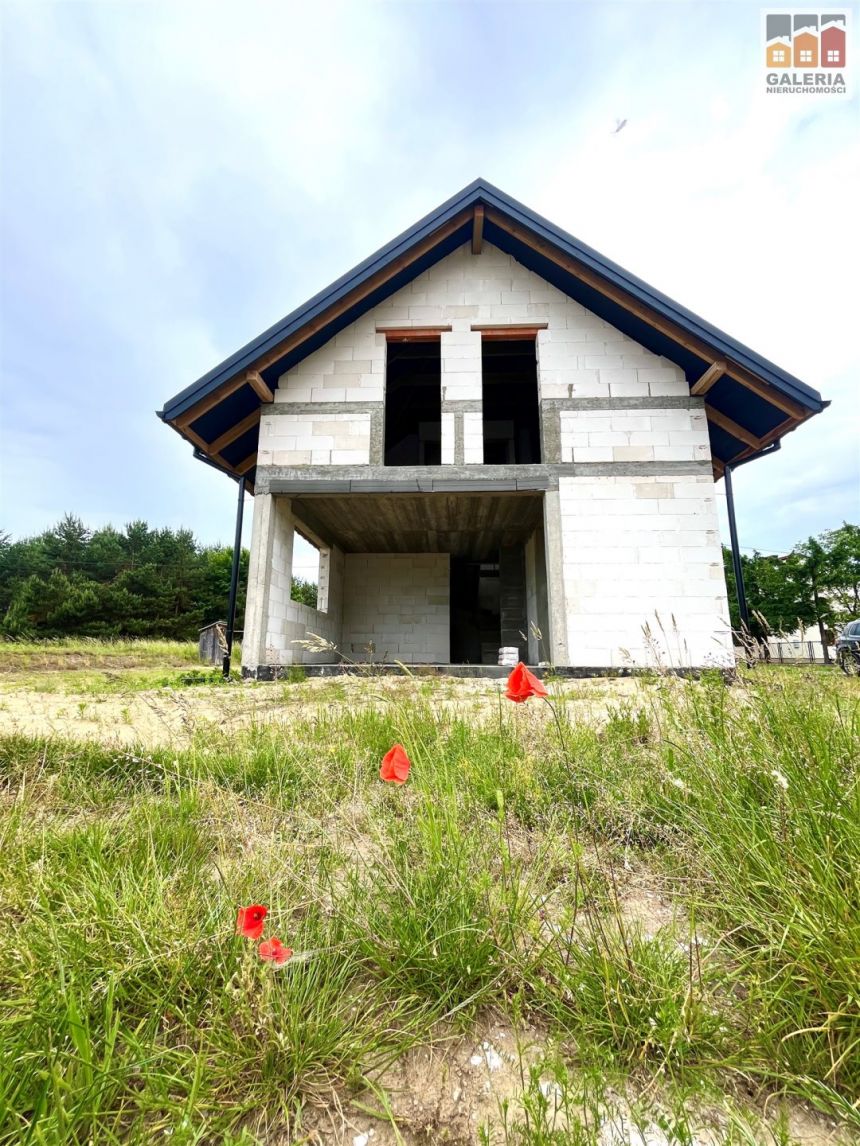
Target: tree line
x,y
136,582
816,584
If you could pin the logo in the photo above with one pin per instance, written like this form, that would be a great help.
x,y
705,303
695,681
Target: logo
x,y
805,53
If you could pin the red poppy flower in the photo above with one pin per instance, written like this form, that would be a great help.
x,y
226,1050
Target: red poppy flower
x,y
273,951
250,921
395,765
522,684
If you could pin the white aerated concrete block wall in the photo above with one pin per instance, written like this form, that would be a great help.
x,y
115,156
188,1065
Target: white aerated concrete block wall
x,y
400,604
314,440
635,435
579,355
349,368
643,551
461,364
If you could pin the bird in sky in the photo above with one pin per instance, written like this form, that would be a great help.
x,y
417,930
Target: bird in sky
x,y
619,123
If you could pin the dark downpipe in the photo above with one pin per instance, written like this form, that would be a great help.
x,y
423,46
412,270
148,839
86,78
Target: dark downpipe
x,y
736,553
234,579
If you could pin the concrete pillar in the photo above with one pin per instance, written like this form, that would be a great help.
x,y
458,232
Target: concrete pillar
x,y
257,602
555,643
270,575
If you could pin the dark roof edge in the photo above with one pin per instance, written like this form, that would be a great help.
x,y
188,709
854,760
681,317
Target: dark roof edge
x,y
479,191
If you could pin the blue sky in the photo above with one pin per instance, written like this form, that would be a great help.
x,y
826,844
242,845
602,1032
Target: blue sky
x,y
177,176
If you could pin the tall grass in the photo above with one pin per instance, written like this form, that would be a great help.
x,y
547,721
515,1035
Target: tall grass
x,y
496,878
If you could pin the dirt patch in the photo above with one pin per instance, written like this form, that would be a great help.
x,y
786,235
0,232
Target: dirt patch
x,y
165,716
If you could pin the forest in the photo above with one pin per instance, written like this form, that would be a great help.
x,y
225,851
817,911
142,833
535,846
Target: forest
x,y
134,582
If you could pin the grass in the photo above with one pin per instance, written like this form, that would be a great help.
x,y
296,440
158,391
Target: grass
x,y
497,881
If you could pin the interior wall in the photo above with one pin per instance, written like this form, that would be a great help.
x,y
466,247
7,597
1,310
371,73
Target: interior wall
x,y
273,621
398,603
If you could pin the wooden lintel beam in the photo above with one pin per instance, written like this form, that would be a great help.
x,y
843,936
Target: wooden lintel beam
x,y
412,333
641,310
258,384
235,432
731,427
496,331
710,378
358,293
478,229
246,464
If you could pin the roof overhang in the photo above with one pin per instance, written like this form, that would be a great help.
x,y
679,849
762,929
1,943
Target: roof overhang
x,y
750,402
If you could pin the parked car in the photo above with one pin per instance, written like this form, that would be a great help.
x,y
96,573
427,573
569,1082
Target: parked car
x,y
848,649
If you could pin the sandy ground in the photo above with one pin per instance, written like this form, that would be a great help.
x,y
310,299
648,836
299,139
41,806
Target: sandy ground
x,y
166,716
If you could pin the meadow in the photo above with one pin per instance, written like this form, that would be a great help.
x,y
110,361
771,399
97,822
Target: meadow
x,y
640,926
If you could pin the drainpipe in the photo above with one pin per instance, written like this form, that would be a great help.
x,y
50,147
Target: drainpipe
x,y
736,553
234,579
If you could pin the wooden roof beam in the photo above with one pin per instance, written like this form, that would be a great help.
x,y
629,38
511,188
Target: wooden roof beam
x,y
710,378
235,432
732,427
477,229
210,402
257,383
246,464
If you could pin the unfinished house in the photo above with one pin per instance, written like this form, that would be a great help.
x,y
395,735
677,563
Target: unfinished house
x,y
495,437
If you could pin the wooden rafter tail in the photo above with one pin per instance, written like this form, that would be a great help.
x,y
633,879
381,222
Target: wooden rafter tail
x,y
477,229
191,437
770,437
210,401
768,393
259,385
710,378
235,432
246,464
368,287
731,427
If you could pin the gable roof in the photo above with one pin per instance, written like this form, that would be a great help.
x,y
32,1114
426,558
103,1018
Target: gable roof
x,y
751,402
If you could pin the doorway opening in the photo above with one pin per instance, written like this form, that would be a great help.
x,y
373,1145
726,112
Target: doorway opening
x,y
413,403
476,624
510,402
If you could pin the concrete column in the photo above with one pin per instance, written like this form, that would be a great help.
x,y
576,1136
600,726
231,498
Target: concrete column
x,y
555,643
257,603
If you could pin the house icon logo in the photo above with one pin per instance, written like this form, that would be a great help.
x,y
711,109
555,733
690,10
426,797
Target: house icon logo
x,y
806,52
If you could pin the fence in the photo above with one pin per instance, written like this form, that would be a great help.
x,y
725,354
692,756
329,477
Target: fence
x,y
795,652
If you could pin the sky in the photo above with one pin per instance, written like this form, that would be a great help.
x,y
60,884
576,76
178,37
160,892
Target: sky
x,y
175,177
